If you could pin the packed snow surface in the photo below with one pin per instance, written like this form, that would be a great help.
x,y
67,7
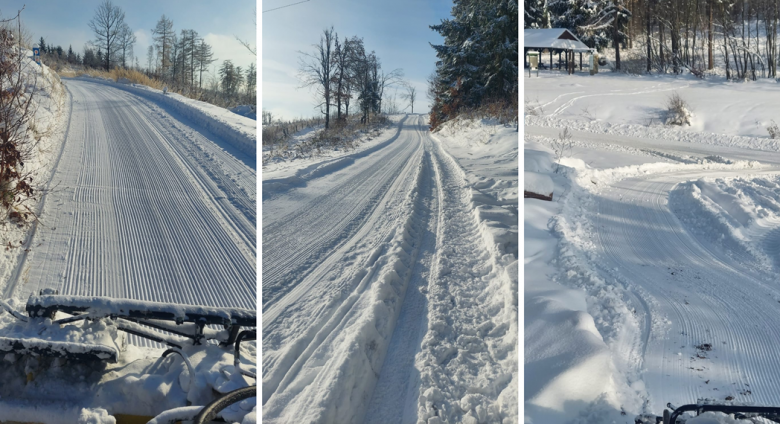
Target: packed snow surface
x,y
652,278
144,207
146,199
389,282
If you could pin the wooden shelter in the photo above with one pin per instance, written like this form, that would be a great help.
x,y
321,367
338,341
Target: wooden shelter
x,y
555,40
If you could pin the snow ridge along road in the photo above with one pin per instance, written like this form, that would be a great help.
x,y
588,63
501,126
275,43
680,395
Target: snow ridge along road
x,y
374,282
146,206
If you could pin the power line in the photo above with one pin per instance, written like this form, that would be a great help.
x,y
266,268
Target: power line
x,y
282,7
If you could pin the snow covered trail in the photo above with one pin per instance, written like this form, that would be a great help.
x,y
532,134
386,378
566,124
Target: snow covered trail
x,y
377,294
709,316
145,205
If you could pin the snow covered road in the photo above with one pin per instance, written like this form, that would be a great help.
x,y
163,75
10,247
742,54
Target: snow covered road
x,y
379,293
708,315
144,205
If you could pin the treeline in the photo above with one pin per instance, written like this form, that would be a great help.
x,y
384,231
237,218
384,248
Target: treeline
x,y
343,70
673,36
180,61
477,63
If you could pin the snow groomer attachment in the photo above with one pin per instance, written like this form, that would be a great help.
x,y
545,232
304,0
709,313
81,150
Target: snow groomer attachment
x,y
83,328
674,415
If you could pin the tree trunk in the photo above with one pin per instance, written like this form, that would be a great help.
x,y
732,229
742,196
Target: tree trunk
x,y
647,37
615,39
710,62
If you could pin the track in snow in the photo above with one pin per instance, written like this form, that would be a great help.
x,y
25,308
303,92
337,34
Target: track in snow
x,y
688,292
354,265
144,206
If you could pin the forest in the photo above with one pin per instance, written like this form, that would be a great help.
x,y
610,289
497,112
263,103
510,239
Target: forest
x,y
179,61
736,38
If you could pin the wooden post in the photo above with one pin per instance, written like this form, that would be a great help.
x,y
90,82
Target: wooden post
x,y
551,62
580,61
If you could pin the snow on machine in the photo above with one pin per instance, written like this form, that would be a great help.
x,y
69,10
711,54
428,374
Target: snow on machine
x,y
675,415
56,331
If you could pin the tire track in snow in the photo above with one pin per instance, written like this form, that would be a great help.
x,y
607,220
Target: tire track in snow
x,y
347,351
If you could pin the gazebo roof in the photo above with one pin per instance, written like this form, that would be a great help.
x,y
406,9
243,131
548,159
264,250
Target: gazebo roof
x,y
553,38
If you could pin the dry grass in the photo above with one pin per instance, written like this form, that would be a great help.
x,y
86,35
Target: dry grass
x,y
131,75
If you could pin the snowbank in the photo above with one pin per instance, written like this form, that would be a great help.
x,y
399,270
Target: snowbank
x,y
742,215
567,364
574,367
278,177
48,126
238,131
485,153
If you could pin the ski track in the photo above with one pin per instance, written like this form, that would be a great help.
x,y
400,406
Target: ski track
x,y
354,276
146,208
688,292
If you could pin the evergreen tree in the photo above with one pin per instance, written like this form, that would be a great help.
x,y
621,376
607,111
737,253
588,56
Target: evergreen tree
x,y
42,45
537,14
71,56
479,58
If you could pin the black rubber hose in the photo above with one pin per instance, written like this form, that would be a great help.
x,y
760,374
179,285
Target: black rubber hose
x,y
210,411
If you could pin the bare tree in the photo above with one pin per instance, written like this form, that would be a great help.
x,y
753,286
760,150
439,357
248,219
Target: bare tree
x,y
164,38
317,70
410,95
385,80
107,24
252,49
126,41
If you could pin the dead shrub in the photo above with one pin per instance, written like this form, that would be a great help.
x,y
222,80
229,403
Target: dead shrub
x,y
16,112
773,130
678,112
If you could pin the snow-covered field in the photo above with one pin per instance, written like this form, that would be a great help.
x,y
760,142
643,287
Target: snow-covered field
x,y
651,276
389,281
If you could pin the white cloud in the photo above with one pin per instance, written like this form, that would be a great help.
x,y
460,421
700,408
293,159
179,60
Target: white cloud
x,y
226,47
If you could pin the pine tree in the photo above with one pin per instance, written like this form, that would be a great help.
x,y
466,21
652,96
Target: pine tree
x,y
536,15
42,45
478,60
204,58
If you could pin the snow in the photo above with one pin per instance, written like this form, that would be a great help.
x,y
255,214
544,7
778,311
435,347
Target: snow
x,y
649,277
51,108
281,173
538,183
403,284
549,38
168,217
142,194
249,111
238,131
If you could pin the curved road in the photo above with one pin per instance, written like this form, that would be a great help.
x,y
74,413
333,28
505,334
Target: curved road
x,y
687,293
144,205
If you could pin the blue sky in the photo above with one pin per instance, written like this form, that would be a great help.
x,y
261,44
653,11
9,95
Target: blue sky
x,y
397,30
65,22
